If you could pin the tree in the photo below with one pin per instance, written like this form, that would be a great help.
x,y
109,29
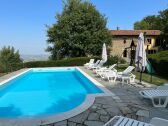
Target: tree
x,y
156,22
163,16
148,23
141,25
80,30
9,58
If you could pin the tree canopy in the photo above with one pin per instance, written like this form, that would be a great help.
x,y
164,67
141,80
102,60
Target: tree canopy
x,y
154,22
9,58
80,30
149,22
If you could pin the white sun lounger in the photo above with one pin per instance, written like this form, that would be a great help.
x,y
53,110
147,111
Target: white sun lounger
x,y
110,75
93,65
89,63
163,87
159,122
105,69
159,97
129,78
124,121
98,66
126,75
127,71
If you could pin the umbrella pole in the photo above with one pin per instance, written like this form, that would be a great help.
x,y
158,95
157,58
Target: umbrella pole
x,y
140,80
151,73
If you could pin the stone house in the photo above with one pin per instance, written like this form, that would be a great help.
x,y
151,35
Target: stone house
x,y
123,39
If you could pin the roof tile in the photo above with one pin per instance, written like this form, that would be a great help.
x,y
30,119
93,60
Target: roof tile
x,y
135,32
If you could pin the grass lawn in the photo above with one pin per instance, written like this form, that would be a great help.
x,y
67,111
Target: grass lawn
x,y
157,80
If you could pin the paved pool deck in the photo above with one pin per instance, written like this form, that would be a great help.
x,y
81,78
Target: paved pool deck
x,y
130,104
127,103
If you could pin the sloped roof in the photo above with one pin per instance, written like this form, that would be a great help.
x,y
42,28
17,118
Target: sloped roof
x,y
135,32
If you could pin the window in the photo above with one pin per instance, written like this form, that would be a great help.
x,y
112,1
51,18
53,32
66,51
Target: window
x,y
149,41
124,41
125,53
132,54
157,42
151,51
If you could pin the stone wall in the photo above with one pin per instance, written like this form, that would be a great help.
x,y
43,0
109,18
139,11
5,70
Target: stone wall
x,y
118,44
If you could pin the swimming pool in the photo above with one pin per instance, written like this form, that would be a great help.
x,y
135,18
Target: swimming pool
x,y
43,92
40,96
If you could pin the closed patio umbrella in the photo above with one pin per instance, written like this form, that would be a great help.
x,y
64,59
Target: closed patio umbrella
x,y
140,57
104,53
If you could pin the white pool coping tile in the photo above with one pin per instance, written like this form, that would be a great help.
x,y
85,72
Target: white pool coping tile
x,y
88,102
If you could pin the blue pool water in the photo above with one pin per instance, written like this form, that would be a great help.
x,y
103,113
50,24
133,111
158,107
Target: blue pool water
x,y
42,92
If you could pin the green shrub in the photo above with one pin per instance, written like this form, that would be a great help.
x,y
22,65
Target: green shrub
x,y
79,61
160,62
111,60
114,59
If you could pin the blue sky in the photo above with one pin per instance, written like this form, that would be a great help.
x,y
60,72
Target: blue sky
x,y
22,22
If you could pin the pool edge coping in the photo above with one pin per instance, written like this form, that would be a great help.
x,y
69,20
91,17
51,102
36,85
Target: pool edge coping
x,y
14,76
87,103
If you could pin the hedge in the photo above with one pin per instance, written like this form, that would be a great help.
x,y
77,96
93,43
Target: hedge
x,y
79,61
11,67
160,62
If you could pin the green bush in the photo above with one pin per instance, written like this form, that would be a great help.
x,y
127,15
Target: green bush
x,y
160,62
79,61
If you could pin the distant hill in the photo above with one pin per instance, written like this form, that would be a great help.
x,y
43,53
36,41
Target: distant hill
x,y
27,58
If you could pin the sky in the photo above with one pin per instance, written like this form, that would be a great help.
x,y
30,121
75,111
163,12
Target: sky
x,y
23,22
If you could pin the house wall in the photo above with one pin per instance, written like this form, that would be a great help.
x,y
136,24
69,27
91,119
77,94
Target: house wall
x,y
118,44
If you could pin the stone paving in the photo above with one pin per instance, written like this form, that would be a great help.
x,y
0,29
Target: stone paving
x,y
130,105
